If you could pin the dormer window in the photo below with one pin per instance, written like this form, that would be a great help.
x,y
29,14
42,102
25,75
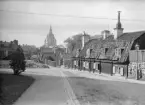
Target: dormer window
x,y
78,52
106,49
88,52
122,49
116,52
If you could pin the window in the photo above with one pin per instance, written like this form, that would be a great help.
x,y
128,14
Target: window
x,y
122,50
106,49
88,52
103,51
118,52
78,52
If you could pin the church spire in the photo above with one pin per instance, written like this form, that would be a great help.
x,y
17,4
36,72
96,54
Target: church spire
x,y
50,39
50,30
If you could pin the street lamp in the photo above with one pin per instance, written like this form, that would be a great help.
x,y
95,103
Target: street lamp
x,y
137,48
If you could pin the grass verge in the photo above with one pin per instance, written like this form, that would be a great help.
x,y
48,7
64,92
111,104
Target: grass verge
x,y
13,87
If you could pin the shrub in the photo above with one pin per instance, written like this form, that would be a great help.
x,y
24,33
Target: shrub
x,y
17,62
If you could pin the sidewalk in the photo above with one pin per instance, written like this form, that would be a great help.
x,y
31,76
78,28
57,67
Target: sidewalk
x,y
103,76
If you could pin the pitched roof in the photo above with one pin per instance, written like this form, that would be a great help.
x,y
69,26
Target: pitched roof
x,y
110,37
131,35
122,41
90,44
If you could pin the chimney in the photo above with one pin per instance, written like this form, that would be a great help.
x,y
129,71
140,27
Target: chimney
x,y
105,33
118,30
85,38
66,47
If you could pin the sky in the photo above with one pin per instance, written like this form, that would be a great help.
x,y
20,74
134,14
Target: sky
x,y
28,21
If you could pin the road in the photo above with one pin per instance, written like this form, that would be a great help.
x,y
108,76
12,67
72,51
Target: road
x,y
51,87
48,89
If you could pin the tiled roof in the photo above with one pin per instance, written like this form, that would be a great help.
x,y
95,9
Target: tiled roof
x,y
110,53
93,43
124,41
131,35
110,37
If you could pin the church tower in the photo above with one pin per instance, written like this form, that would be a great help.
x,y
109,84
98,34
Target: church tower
x,y
50,40
118,30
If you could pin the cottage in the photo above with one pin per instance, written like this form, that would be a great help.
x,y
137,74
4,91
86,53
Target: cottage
x,y
110,53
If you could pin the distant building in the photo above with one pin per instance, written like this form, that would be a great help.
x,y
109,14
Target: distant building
x,y
50,52
6,48
50,40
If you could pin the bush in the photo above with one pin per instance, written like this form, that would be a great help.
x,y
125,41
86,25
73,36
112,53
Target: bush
x,y
17,62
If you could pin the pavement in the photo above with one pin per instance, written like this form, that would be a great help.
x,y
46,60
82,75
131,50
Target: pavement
x,y
102,76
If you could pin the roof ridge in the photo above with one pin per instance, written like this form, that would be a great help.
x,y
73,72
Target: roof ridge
x,y
135,31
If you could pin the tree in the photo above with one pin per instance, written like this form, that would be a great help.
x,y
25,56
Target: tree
x,y
30,50
17,62
74,43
